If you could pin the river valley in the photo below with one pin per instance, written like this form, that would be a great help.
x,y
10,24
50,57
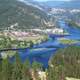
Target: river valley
x,y
43,52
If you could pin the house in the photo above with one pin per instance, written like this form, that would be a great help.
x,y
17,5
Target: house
x,y
57,31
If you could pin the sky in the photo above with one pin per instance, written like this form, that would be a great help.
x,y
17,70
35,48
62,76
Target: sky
x,y
52,0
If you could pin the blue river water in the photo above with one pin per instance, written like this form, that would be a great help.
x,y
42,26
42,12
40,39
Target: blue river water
x,y
42,52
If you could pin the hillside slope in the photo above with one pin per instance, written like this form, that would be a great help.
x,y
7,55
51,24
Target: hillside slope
x,y
26,16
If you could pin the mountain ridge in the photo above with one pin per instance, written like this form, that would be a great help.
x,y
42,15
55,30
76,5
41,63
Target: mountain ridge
x,y
26,16
63,4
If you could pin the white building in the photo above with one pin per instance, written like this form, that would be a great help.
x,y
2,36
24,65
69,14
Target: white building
x,y
57,31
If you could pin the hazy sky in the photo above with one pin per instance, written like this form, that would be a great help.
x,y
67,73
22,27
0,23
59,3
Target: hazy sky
x,y
52,0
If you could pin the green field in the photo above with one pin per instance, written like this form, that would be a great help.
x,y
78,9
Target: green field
x,y
68,41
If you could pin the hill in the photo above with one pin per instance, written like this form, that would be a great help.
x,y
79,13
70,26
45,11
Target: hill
x,y
65,63
52,4
72,4
63,4
25,16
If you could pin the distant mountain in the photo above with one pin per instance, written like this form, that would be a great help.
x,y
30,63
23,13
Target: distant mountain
x,y
25,16
53,3
63,4
72,4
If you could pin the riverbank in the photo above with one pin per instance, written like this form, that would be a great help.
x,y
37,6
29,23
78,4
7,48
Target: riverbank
x,y
73,24
68,41
22,40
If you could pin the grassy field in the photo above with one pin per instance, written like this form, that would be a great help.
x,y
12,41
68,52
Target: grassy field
x,y
68,41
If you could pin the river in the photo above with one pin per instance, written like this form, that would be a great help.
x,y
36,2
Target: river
x,y
42,52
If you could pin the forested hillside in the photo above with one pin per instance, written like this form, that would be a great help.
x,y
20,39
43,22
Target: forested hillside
x,y
26,16
65,63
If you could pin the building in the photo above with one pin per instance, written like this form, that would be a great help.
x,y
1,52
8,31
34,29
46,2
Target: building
x,y
57,31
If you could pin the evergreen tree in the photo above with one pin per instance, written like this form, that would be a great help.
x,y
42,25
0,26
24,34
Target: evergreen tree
x,y
35,68
65,63
17,67
6,70
31,44
0,69
26,71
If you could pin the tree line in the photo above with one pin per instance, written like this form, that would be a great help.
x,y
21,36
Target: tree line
x,y
65,63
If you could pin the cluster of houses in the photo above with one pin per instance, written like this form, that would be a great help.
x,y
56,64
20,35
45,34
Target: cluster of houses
x,y
19,35
22,34
52,31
